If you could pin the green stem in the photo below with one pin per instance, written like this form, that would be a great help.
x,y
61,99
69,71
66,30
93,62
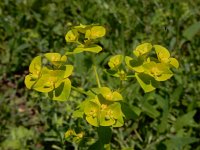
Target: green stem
x,y
97,77
138,135
79,90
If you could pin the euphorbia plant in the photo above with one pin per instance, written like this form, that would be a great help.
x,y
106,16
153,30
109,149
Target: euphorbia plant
x,y
150,65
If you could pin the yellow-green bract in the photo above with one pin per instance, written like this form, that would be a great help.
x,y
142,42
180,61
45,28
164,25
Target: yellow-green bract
x,y
149,70
115,61
52,80
85,36
102,108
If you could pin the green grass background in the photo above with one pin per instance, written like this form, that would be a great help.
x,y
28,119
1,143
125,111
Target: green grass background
x,y
170,117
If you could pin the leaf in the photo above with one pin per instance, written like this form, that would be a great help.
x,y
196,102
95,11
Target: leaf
x,y
62,92
90,48
146,82
105,134
185,120
190,32
164,104
177,143
80,112
149,109
130,112
96,146
175,96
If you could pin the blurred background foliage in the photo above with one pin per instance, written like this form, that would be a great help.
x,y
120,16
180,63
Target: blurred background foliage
x,y
166,119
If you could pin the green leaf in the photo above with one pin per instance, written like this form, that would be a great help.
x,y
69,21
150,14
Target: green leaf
x,y
96,146
164,104
185,120
105,134
130,112
192,30
80,112
175,96
146,82
178,143
62,92
90,48
150,110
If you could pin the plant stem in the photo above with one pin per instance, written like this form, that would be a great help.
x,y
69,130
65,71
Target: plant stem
x,y
97,77
138,135
79,90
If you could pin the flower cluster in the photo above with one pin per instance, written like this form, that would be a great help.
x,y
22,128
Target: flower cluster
x,y
149,70
85,36
102,108
49,74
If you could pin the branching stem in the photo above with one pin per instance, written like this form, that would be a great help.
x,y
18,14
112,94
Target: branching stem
x,y
79,90
97,77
